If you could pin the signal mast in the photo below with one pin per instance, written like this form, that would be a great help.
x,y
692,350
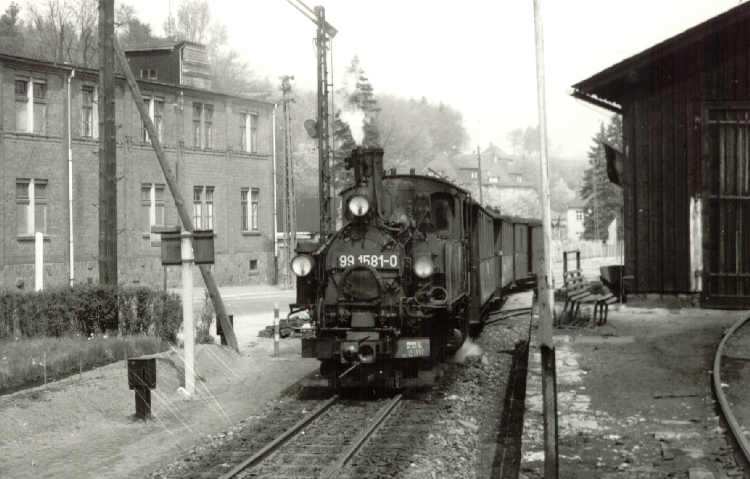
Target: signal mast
x,y
320,129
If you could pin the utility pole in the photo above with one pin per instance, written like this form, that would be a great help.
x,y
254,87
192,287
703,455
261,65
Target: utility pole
x,y
479,175
107,146
549,380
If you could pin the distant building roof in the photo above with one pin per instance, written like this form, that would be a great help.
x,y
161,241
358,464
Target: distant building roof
x,y
158,44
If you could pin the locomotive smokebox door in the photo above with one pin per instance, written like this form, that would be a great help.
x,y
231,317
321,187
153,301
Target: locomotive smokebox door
x,y
142,373
203,246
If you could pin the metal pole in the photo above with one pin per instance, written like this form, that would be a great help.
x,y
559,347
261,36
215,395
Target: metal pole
x,y
275,205
549,394
71,251
479,174
187,310
179,201
107,146
276,330
38,261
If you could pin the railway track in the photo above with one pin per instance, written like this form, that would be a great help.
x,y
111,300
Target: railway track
x,y
319,445
733,425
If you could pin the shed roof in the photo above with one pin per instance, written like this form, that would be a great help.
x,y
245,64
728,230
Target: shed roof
x,y
607,88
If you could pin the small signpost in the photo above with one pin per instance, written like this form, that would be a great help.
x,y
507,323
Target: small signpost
x,y
187,248
142,379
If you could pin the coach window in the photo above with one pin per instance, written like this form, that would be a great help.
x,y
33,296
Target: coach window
x,y
442,212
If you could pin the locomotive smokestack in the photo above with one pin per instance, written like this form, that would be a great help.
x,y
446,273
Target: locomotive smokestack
x,y
368,170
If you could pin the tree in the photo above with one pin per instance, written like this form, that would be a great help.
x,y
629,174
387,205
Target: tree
x,y
354,122
11,30
604,200
131,31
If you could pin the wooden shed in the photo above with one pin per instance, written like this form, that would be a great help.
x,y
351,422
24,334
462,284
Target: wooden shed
x,y
686,171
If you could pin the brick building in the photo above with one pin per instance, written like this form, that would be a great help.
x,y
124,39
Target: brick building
x,y
219,145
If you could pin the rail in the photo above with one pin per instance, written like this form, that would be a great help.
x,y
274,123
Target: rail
x,y
341,461
280,440
734,426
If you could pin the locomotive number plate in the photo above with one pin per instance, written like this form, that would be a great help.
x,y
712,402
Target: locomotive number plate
x,y
390,261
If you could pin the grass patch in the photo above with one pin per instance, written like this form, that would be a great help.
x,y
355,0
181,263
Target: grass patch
x,y
22,362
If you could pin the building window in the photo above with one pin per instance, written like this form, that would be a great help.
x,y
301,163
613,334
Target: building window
x,y
254,207
203,207
31,106
152,204
249,132
155,107
253,265
148,74
31,206
208,126
579,215
245,220
89,121
474,175
203,129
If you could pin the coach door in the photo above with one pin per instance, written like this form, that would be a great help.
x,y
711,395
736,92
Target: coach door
x,y
726,208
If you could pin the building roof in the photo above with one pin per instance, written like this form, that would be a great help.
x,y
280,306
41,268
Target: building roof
x,y
607,88
92,71
161,44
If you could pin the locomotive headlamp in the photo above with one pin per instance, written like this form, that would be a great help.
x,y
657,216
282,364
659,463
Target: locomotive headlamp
x,y
302,265
424,267
359,205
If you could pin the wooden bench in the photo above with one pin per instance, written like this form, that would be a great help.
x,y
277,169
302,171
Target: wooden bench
x,y
576,291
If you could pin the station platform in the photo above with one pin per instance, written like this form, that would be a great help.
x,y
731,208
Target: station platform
x,y
634,398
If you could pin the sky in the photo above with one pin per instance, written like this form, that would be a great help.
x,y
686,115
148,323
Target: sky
x,y
476,55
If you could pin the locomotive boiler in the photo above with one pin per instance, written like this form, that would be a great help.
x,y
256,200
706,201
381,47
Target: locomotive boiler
x,y
414,268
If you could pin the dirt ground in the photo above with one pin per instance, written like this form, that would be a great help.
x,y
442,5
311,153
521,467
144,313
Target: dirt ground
x,y
83,426
634,398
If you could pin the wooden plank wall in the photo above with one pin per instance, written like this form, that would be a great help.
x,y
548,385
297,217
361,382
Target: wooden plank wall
x,y
663,141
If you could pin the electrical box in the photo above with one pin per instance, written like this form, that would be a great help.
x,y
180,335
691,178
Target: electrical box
x,y
171,249
142,373
203,246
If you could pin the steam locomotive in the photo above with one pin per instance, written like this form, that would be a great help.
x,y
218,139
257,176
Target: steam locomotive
x,y
411,274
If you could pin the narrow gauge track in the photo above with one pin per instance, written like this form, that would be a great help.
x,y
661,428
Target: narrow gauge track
x,y
733,424
320,444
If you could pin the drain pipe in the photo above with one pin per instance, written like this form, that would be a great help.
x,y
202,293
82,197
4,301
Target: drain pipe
x,y
275,206
71,253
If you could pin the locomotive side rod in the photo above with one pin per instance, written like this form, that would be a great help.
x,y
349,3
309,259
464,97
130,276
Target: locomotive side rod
x,y
280,440
333,470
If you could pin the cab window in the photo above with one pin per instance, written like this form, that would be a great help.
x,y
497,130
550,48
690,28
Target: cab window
x,y
442,212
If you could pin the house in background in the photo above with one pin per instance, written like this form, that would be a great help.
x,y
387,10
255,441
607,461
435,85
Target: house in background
x,y
219,145
575,214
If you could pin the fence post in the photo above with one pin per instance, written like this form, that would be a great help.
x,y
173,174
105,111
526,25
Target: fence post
x,y
275,330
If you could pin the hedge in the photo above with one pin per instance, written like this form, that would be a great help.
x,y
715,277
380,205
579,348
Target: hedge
x,y
88,309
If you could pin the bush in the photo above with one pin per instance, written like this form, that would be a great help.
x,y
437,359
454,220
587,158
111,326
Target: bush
x,y
86,310
203,326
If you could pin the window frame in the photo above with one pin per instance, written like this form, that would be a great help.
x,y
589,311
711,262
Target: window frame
x,y
31,201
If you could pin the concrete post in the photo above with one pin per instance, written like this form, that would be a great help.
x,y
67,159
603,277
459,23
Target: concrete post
x,y
276,330
187,311
38,261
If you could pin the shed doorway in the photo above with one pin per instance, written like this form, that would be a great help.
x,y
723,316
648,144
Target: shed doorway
x,y
726,209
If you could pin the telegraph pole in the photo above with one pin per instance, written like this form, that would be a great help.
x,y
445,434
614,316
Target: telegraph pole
x,y
549,380
107,146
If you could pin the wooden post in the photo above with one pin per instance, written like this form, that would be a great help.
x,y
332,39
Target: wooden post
x,y
185,218
107,146
549,393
